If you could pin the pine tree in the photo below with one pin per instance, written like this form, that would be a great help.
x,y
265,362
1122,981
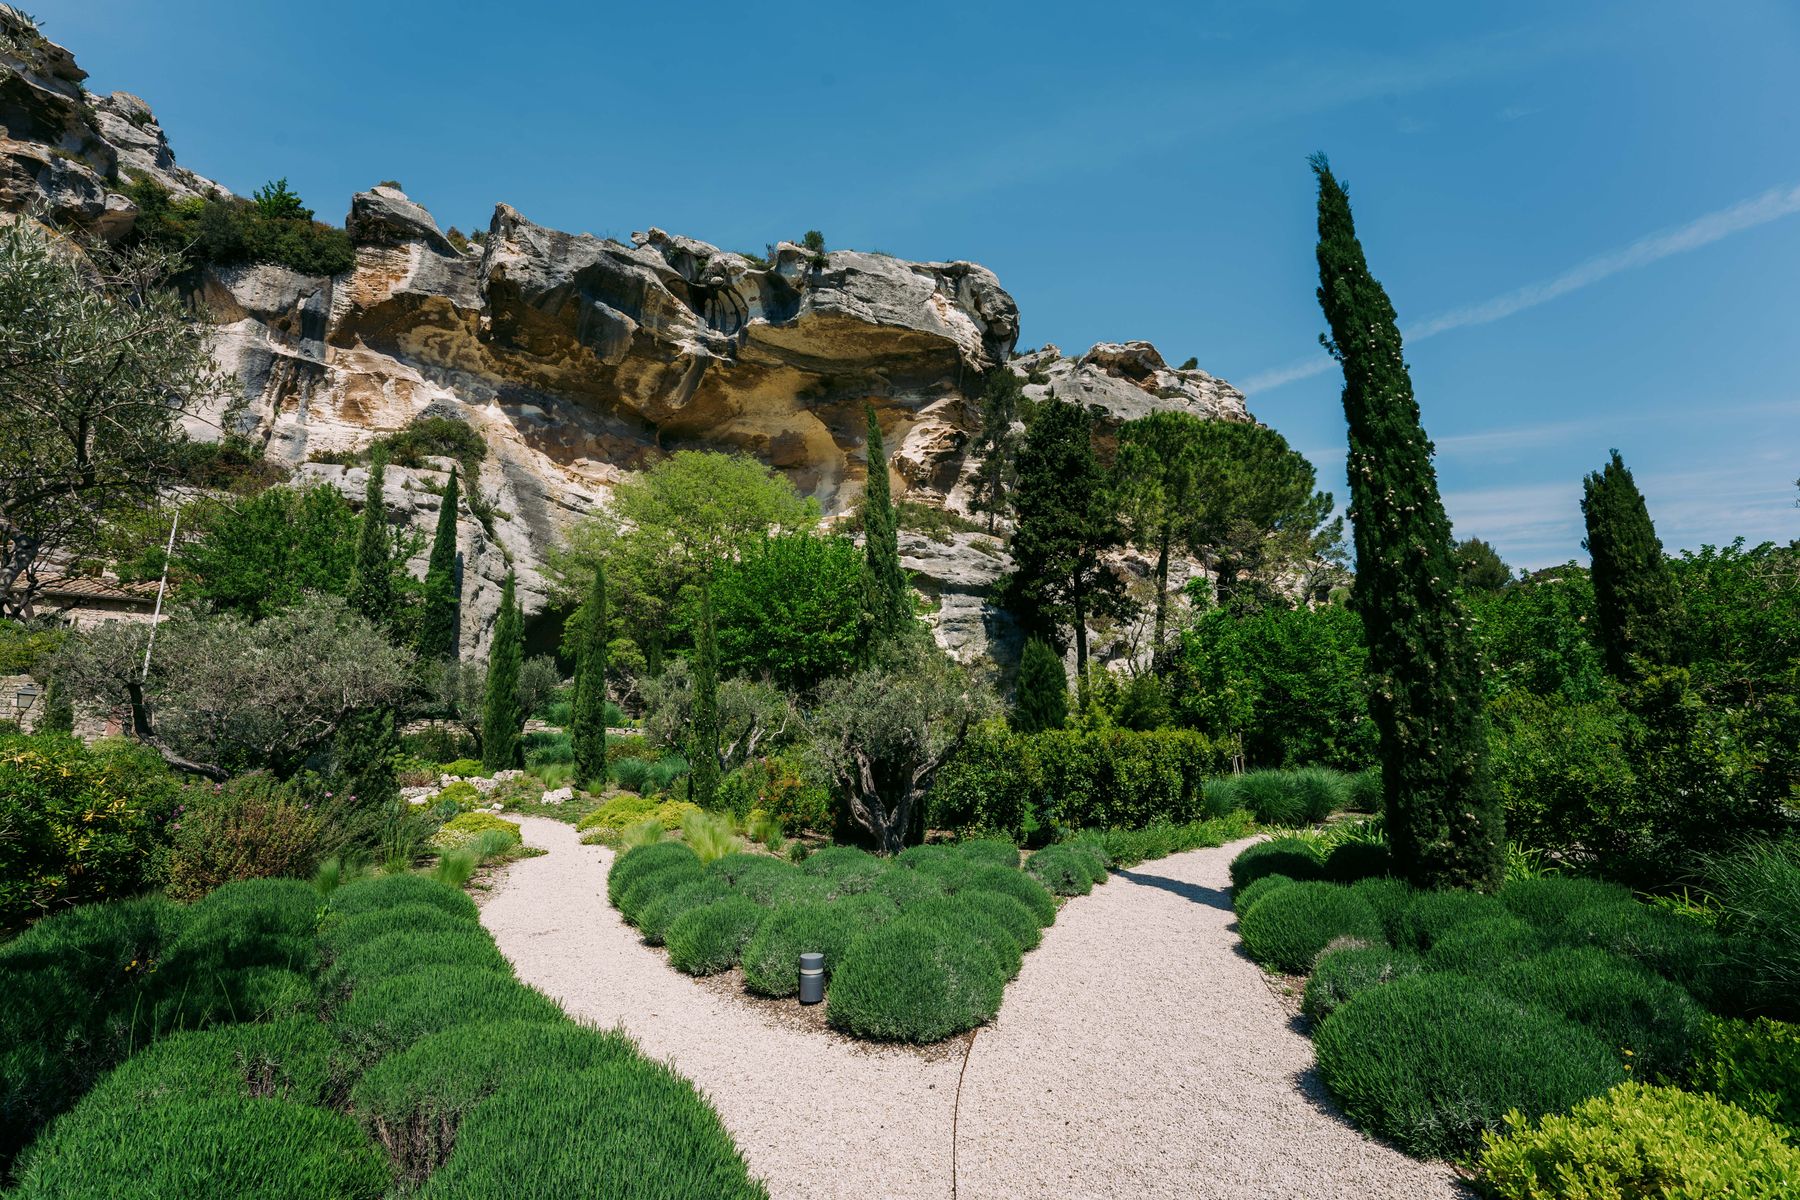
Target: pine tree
x,y
588,722
996,447
1041,694
890,596
1067,519
703,738
438,620
1634,590
365,747
1444,822
372,578
501,720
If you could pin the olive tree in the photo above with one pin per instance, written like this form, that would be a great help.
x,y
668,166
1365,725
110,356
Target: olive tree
x,y
753,717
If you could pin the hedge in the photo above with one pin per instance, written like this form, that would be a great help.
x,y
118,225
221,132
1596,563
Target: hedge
x,y
1431,1062
1288,928
1073,779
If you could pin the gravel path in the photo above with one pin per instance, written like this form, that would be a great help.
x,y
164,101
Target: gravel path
x,y
1138,1054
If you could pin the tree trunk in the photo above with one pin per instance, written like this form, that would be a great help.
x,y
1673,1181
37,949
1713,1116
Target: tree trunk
x,y
142,730
1081,649
1162,588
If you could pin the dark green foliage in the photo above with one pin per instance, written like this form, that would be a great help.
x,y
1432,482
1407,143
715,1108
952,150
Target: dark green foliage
x,y
1674,946
1444,824
58,715
1067,868
297,1059
1341,974
652,887
414,1103
241,1148
707,940
440,617
915,980
1651,1022
1479,567
252,827
644,861
1067,521
501,719
365,748
1350,861
393,892
954,912
1433,914
791,608
391,1014
1390,898
636,1125
279,202
771,959
1634,591
990,852
1009,881
904,888
1550,900
703,734
654,919
1480,947
1365,791
1303,796
890,602
223,231
587,725
1754,1065
1007,912
1041,694
1249,894
259,555
340,934
371,589
1759,895
1292,857
407,950
1287,928
1430,1062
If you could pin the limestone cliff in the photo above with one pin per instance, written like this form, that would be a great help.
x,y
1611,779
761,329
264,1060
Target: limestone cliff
x,y
580,359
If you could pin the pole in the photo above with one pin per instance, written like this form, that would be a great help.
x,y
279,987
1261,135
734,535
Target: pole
x,y
161,587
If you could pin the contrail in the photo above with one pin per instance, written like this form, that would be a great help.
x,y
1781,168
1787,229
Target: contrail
x,y
1757,211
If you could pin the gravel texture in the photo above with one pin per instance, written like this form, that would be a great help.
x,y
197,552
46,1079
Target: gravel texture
x,y
1138,1054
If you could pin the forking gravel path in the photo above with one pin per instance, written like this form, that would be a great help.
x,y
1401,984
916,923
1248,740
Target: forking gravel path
x,y
1138,1054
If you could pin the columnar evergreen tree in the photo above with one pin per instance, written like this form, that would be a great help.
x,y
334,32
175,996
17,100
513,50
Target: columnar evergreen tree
x,y
372,578
59,709
365,747
1444,821
588,722
501,719
1067,518
996,447
890,596
1041,694
438,619
703,738
1634,589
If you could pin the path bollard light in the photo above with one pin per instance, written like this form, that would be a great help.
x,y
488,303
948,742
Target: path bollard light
x,y
812,978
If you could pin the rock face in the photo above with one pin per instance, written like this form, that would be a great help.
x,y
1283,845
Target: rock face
x,y
581,359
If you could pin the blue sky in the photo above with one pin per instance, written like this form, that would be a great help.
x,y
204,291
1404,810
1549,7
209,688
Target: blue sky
x,y
1592,209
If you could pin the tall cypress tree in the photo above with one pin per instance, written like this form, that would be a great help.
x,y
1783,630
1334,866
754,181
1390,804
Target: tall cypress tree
x,y
438,619
365,747
588,723
890,596
996,448
1041,694
1634,589
1444,822
501,720
703,738
371,590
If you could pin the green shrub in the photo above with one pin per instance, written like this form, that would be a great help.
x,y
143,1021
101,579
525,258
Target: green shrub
x,y
906,888
632,774
1550,900
951,870
1009,881
1365,791
990,852
1129,847
1293,857
1345,971
391,1014
81,825
296,1059
915,980
468,827
244,1149
653,887
707,940
408,950
771,959
1652,1022
1288,927
1389,898
954,912
466,768
1248,896
655,918
1754,1065
1350,862
462,795
255,827
1067,869
837,858
1484,945
1674,946
1644,1141
649,1133
633,865
800,889
238,953
1433,914
732,867
1759,894
1429,1062
340,934
1303,796
394,891
869,909
414,1103
761,881
1007,912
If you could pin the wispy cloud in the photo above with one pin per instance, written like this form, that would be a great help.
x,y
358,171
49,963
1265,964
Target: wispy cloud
x,y
1745,215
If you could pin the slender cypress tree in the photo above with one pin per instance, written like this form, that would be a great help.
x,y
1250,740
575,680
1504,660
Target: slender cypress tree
x,y
890,596
703,738
438,620
1444,823
372,577
1634,590
501,719
588,731
365,747
59,710
1041,694
996,447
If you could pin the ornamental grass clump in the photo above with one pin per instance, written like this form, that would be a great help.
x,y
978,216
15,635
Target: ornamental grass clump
x,y
1430,1062
915,980
1293,857
707,940
413,1103
1484,945
1654,1024
771,959
1641,1141
1433,914
391,891
1287,928
1346,970
391,1014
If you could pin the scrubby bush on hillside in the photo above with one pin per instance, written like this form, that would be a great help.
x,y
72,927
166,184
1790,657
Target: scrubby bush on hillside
x,y
1288,927
915,980
1345,971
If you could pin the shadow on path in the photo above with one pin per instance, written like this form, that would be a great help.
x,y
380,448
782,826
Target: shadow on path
x,y
1211,897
